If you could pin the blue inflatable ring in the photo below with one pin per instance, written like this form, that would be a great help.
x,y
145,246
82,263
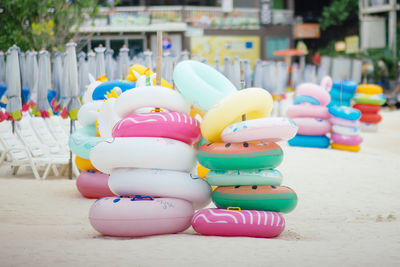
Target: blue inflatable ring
x,y
346,95
316,141
305,99
347,85
100,92
347,113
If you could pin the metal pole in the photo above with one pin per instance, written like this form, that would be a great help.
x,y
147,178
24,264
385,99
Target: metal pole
x,y
71,126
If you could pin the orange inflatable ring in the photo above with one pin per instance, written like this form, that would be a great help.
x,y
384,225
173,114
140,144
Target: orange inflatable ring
x,y
345,147
370,89
84,164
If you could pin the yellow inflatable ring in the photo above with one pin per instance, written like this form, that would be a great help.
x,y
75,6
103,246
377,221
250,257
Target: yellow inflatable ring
x,y
370,89
346,147
253,102
84,164
141,70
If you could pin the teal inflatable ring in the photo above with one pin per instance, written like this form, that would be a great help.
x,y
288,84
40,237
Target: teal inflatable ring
x,y
83,140
244,177
201,84
240,156
268,198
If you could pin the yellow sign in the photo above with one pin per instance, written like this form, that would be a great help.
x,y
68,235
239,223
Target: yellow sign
x,y
351,44
211,47
340,46
302,46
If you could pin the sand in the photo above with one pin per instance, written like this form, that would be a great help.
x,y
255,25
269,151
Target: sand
x,y
348,215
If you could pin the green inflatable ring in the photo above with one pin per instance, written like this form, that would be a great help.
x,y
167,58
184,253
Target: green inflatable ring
x,y
83,140
244,177
378,102
267,198
240,156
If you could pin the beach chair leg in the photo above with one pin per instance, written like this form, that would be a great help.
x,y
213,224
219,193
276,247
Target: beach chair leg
x,y
47,170
75,170
15,170
55,170
34,170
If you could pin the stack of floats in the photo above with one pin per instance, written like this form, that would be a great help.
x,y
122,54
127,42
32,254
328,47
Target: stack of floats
x,y
345,128
311,115
342,93
149,158
369,98
92,183
241,156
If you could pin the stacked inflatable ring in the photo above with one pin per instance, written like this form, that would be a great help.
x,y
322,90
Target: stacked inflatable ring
x,y
369,98
345,128
342,93
242,156
149,159
91,183
311,115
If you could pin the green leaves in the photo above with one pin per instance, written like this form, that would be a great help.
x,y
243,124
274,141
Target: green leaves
x,y
338,12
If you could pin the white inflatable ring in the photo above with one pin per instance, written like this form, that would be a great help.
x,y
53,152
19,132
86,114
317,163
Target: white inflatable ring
x,y
345,130
143,152
264,129
150,96
160,183
312,126
140,216
89,112
107,118
244,177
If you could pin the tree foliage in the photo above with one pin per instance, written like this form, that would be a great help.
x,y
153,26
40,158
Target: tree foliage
x,y
42,23
338,12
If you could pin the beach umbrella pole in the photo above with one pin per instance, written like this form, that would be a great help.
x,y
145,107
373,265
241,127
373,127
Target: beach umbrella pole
x,y
71,127
242,83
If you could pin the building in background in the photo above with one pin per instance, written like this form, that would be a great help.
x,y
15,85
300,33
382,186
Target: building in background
x,y
251,28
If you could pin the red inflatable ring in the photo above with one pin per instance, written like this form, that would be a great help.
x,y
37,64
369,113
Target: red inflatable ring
x,y
370,118
365,108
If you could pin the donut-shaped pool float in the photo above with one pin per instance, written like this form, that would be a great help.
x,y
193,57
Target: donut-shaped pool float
x,y
346,85
368,127
350,140
84,164
240,156
253,102
354,148
371,89
371,118
369,99
314,90
337,102
365,108
315,141
264,129
345,113
344,122
312,126
308,111
244,177
201,84
251,223
173,125
262,197
93,185
140,216
160,183
150,96
300,99
83,140
345,130
107,118
143,152
100,92
344,95
89,112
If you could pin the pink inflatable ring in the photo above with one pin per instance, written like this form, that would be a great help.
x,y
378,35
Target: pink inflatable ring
x,y
310,111
251,223
316,91
173,125
264,129
311,126
349,140
93,184
345,122
140,216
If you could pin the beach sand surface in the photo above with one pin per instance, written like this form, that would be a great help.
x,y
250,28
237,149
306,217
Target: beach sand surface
x,y
348,214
